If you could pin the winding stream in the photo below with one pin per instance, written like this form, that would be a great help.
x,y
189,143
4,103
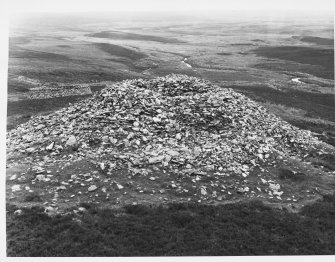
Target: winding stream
x,y
296,80
184,62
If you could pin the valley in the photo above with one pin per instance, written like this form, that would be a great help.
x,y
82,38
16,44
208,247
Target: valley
x,y
175,121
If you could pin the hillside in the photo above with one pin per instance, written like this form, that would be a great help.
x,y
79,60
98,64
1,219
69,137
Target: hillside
x,y
169,139
170,133
169,166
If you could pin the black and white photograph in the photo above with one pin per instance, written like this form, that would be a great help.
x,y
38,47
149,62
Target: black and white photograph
x,y
168,129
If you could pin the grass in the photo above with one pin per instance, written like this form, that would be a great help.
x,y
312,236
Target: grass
x,y
325,160
318,40
300,118
178,229
32,54
16,40
241,44
314,112
286,66
116,50
323,58
17,86
19,112
97,88
217,75
65,75
72,66
117,35
34,106
300,54
316,104
296,115
224,53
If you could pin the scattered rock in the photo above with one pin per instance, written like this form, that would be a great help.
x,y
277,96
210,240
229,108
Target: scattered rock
x,y
18,212
41,126
154,160
71,141
13,177
243,190
92,188
82,209
274,187
31,150
50,146
119,186
41,178
177,126
50,211
16,188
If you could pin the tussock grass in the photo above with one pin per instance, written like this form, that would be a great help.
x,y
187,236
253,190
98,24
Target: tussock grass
x,y
300,54
178,229
296,114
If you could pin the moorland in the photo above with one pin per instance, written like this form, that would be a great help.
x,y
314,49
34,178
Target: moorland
x,y
285,64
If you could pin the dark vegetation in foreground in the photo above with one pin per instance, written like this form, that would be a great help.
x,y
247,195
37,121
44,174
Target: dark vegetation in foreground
x,y
178,229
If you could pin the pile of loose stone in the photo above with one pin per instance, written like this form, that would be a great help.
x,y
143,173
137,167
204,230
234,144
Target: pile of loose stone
x,y
175,123
44,92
